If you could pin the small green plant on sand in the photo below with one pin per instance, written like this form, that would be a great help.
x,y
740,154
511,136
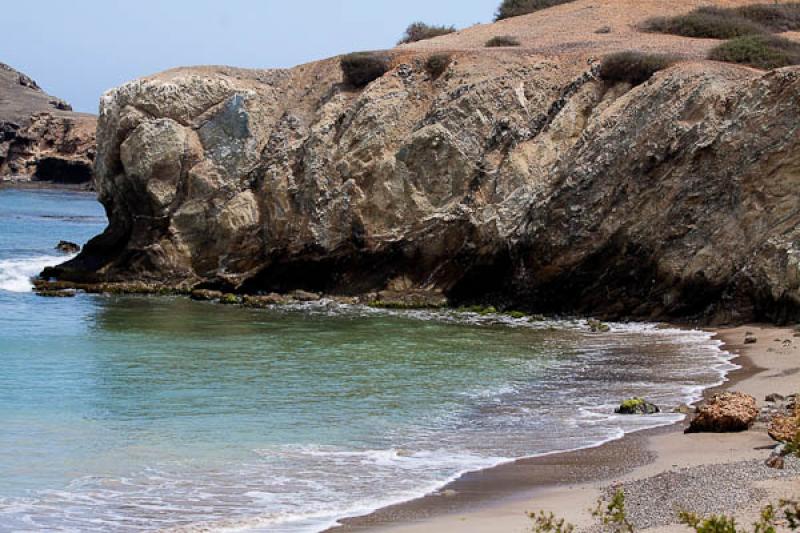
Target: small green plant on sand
x,y
612,514
613,518
547,523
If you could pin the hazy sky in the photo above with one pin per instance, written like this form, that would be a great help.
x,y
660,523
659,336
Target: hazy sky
x,y
77,49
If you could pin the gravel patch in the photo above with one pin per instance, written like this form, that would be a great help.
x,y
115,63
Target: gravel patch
x,y
705,490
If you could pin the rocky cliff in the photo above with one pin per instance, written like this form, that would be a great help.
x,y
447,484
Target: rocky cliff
x,y
517,177
40,137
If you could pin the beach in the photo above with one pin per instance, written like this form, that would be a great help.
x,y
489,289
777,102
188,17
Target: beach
x,y
662,471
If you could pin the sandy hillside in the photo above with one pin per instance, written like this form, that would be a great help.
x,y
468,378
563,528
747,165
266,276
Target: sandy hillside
x,y
571,29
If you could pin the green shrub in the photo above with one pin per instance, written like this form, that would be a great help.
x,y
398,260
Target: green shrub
x,y
760,51
633,67
612,514
515,8
362,68
437,64
501,41
774,17
547,523
706,23
419,31
727,23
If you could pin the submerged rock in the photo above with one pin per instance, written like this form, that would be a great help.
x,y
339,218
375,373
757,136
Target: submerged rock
x,y
724,413
68,247
63,293
598,327
637,406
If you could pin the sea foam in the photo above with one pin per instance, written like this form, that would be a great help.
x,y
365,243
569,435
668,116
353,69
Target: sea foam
x,y
16,274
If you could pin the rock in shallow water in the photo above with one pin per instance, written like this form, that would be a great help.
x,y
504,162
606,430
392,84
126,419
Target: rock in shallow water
x,y
68,247
637,406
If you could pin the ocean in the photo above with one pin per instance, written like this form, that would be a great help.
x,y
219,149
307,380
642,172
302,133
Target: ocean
x,y
133,413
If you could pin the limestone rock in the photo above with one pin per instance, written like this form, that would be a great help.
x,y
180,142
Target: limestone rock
x,y
784,428
725,413
518,179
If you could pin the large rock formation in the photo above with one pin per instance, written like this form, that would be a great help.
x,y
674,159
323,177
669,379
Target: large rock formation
x,y
40,137
516,177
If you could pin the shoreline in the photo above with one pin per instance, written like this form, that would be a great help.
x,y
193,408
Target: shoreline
x,y
569,483
36,185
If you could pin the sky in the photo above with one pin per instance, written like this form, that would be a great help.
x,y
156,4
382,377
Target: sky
x,y
78,49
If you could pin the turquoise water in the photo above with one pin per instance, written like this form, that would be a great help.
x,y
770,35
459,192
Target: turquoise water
x,y
148,413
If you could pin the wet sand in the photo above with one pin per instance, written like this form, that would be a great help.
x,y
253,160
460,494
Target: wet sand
x,y
569,484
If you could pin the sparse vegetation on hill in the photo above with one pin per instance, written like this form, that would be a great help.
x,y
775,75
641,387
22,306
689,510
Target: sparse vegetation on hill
x,y
748,30
501,41
437,64
759,51
362,68
728,23
706,23
633,67
775,17
419,31
515,8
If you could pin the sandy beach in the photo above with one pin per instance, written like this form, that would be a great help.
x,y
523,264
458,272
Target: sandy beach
x,y
662,470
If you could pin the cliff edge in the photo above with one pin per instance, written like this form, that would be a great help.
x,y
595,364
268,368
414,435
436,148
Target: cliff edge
x,y
41,138
516,177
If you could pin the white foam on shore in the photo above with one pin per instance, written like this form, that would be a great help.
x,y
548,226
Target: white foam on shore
x,y
16,274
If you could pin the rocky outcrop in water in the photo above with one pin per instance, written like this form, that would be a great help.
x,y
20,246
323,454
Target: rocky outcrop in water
x,y
515,178
40,137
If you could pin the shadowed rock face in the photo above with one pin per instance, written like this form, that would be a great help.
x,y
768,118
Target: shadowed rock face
x,y
511,178
40,137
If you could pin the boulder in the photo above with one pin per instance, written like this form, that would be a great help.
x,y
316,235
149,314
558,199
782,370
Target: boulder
x,y
724,413
305,296
68,247
784,428
268,300
206,295
637,406
776,461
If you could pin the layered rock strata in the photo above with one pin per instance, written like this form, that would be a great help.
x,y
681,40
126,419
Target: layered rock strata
x,y
516,178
